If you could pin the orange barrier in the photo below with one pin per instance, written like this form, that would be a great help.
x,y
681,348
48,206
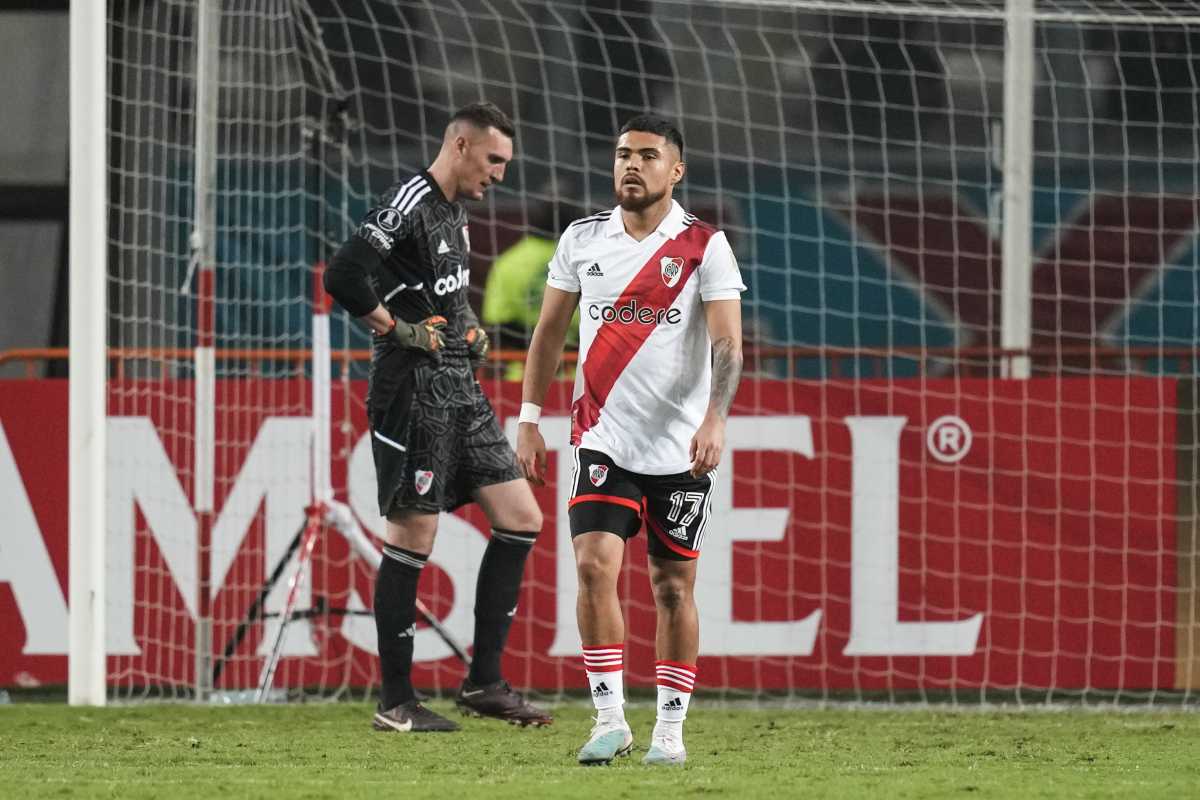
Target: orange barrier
x,y
32,356
974,360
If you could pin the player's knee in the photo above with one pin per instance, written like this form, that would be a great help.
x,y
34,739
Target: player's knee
x,y
671,594
520,517
414,532
529,519
595,573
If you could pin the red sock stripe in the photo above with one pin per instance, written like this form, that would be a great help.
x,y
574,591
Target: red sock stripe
x,y
678,677
670,684
604,658
674,675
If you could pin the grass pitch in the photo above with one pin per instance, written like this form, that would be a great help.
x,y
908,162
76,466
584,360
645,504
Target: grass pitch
x,y
329,751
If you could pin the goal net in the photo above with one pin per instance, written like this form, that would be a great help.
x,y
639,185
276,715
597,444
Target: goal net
x,y
962,462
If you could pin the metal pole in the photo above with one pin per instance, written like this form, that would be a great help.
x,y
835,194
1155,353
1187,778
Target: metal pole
x,y
87,392
1016,284
203,241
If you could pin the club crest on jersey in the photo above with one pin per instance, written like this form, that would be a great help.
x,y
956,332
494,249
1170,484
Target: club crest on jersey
x,y
672,268
423,479
598,474
466,239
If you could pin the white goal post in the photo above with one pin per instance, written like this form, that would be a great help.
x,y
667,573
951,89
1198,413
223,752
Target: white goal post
x,y
88,357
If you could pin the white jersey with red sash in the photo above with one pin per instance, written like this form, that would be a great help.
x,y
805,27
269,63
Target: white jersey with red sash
x,y
643,383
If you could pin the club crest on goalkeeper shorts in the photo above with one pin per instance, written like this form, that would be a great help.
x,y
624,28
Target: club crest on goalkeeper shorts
x,y
431,455
674,508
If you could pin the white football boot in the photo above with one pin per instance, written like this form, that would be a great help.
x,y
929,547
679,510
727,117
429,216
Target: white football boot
x,y
609,738
666,749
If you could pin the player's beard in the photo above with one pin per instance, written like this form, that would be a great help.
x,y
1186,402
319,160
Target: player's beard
x,y
636,204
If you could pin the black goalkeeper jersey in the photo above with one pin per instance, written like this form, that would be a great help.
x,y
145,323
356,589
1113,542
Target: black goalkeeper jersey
x,y
435,438
423,246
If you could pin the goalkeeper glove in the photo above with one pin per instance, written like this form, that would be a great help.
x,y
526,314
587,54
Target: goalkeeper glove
x,y
477,346
425,335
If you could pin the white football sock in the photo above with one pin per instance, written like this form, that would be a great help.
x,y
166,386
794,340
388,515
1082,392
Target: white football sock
x,y
606,679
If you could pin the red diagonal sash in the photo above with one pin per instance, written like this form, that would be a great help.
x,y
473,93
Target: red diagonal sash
x,y
616,343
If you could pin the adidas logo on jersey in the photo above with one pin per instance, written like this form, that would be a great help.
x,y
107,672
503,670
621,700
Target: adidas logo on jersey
x,y
674,704
594,271
679,532
443,248
601,690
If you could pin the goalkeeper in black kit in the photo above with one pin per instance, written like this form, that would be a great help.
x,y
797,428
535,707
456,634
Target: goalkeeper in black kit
x,y
435,439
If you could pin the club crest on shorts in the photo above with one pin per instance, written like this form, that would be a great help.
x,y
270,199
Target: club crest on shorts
x,y
598,473
672,268
423,479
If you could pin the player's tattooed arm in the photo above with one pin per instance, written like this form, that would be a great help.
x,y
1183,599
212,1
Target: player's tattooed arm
x,y
726,372
724,318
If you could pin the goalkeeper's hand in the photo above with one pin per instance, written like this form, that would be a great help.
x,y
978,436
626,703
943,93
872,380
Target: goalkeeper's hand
x,y
477,346
425,335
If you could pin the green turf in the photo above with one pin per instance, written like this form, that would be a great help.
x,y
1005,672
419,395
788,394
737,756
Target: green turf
x,y
330,751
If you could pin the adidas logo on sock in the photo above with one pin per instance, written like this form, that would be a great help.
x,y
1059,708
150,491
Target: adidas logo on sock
x,y
674,704
601,690
594,271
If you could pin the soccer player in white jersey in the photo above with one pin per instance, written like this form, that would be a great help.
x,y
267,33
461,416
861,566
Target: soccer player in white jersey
x,y
660,356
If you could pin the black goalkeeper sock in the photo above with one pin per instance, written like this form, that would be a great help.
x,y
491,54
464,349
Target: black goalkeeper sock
x,y
496,599
395,613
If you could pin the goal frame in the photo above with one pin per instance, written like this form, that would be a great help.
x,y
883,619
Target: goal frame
x,y
88,287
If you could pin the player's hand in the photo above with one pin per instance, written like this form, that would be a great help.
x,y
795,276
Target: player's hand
x,y
425,335
531,453
477,346
707,445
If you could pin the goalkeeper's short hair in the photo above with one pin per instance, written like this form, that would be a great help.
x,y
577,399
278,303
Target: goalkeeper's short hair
x,y
485,115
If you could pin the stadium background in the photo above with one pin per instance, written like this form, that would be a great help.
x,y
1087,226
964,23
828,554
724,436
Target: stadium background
x,y
823,269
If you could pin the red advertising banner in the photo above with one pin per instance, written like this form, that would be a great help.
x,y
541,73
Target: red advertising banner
x,y
927,534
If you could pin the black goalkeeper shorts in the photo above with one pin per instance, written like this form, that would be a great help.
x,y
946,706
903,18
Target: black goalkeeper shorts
x,y
676,508
432,451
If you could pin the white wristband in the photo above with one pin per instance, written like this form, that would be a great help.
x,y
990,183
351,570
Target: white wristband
x,y
530,412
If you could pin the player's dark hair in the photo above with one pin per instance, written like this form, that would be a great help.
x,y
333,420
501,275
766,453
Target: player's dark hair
x,y
653,123
485,115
